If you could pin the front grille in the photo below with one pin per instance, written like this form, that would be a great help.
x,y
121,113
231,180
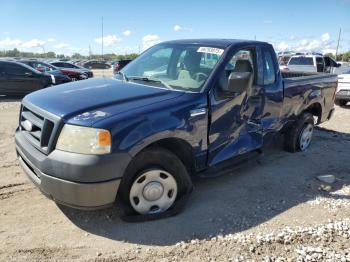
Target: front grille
x,y
39,127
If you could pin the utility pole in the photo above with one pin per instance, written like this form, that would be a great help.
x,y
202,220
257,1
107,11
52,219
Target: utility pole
x,y
336,51
102,39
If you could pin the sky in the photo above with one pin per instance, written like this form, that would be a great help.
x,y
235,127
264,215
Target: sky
x,y
66,27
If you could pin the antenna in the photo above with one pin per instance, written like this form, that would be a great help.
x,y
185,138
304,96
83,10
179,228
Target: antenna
x,y
103,72
336,51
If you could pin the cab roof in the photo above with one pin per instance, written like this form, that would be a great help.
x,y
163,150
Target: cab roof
x,y
215,42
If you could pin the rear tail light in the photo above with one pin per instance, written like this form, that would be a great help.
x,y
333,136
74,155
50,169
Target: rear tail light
x,y
335,91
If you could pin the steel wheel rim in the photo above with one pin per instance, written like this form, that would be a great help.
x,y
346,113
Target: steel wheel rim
x,y
153,192
306,136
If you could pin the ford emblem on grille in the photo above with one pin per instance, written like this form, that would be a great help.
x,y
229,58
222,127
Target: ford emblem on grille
x,y
27,125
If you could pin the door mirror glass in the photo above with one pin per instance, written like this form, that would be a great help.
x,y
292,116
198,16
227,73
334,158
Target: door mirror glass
x,y
239,82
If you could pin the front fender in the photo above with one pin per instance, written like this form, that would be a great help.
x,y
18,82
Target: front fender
x,y
135,130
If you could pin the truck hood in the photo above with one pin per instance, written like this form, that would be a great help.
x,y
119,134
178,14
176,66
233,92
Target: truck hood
x,y
86,102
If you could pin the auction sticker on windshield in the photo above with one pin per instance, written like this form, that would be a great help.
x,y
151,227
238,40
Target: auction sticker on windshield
x,y
210,50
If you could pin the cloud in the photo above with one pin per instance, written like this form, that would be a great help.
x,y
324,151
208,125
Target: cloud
x,y
33,43
325,37
127,33
10,43
177,28
51,39
329,50
282,46
108,40
322,44
150,40
61,46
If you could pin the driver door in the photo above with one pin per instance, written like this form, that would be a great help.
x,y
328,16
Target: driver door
x,y
235,124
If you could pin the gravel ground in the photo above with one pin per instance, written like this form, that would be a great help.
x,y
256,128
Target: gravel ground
x,y
268,209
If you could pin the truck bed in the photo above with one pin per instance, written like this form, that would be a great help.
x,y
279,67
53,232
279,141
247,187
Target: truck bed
x,y
309,88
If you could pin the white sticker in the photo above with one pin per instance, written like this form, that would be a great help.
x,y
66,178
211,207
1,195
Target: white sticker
x,y
210,50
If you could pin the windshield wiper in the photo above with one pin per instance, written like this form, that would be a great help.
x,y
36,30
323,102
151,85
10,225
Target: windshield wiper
x,y
147,79
125,78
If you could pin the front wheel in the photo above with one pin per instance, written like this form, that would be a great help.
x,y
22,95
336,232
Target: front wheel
x,y
298,136
155,185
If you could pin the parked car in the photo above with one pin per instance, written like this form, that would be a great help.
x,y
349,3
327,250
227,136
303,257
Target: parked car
x,y
94,64
342,96
139,139
311,63
119,65
20,79
66,65
72,73
58,76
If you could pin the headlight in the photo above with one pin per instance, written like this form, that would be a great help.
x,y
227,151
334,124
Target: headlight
x,y
84,140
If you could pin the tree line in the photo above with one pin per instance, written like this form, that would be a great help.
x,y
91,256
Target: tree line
x,y
340,57
52,55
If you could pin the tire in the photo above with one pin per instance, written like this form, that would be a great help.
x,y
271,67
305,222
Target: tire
x,y
294,140
340,102
147,164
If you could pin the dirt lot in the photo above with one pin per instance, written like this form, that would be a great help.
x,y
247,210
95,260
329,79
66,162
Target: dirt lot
x,y
269,209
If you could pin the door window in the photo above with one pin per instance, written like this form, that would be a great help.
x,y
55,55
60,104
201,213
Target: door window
x,y
241,61
320,64
59,64
13,69
269,69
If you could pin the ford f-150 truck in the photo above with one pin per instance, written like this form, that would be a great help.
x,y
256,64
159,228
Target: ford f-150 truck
x,y
178,109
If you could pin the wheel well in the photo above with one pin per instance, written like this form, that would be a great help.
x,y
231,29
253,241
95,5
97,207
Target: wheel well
x,y
180,148
316,110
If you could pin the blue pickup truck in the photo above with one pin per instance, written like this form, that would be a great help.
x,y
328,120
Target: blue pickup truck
x,y
178,109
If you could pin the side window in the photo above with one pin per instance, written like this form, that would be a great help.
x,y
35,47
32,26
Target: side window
x,y
41,67
320,64
241,61
269,69
13,69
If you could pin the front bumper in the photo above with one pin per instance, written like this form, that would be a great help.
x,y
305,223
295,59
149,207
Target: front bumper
x,y
50,172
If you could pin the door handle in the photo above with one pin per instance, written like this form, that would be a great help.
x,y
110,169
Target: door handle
x,y
250,122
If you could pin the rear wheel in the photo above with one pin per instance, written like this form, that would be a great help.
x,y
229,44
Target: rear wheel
x,y
155,185
298,136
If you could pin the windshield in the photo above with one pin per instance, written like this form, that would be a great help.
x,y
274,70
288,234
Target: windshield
x,y
176,66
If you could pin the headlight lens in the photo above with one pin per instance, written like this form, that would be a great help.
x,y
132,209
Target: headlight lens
x,y
84,140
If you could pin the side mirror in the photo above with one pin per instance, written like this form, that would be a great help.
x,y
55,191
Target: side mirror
x,y
238,82
338,65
